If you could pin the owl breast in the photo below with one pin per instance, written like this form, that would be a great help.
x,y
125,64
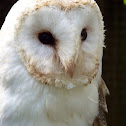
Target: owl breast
x,y
53,107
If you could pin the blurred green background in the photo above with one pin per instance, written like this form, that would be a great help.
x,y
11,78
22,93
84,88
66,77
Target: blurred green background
x,y
114,60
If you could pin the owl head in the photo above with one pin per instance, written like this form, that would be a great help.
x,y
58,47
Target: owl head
x,y
55,42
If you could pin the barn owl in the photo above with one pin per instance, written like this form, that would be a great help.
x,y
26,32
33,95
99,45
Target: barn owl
x,y
51,63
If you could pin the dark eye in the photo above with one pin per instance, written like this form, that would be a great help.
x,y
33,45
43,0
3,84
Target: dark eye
x,y
46,38
83,34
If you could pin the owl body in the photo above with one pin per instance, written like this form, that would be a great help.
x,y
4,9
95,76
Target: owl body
x,y
50,63
47,106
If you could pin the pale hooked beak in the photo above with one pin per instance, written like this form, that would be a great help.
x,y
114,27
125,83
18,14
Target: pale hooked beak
x,y
68,56
69,69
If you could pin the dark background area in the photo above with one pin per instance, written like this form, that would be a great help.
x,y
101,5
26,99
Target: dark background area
x,y
114,60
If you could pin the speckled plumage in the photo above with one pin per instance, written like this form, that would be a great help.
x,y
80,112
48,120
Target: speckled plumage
x,y
43,85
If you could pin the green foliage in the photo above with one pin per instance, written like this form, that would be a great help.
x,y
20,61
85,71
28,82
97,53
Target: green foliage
x,y
124,1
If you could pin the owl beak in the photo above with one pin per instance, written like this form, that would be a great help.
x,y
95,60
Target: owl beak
x,y
68,56
69,69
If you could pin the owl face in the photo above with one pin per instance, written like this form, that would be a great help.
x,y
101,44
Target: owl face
x,y
60,42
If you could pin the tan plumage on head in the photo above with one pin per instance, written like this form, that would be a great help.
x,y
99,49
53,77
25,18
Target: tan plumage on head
x,y
50,64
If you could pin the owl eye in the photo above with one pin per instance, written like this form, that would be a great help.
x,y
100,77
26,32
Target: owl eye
x,y
46,38
83,34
